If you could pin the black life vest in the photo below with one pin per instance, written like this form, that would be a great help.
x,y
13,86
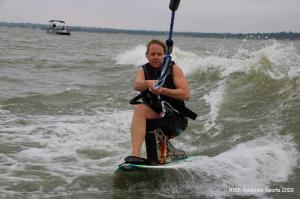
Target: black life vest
x,y
151,100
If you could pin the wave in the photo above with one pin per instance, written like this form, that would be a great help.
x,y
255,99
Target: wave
x,y
135,56
281,60
264,74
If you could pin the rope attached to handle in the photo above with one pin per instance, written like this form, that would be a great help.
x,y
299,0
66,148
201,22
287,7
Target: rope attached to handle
x,y
167,63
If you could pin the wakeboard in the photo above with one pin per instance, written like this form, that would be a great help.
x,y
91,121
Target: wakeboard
x,y
174,164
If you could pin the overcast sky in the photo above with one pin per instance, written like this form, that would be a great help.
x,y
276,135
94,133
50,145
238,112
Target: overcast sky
x,y
235,16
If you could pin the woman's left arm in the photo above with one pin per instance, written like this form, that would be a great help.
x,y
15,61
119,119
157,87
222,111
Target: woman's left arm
x,y
182,91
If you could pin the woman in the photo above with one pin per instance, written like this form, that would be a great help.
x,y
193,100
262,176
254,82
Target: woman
x,y
175,90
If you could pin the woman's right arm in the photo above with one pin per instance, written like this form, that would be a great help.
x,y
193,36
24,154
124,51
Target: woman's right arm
x,y
140,84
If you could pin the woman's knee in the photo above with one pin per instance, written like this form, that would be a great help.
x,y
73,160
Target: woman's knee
x,y
143,110
139,109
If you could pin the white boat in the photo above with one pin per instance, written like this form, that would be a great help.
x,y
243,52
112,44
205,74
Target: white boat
x,y
58,27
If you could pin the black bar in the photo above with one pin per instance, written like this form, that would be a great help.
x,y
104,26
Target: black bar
x,y
151,146
174,4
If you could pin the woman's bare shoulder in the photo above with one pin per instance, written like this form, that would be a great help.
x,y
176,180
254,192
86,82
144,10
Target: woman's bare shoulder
x,y
177,70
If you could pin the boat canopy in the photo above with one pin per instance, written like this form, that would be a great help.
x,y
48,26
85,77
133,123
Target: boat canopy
x,y
53,20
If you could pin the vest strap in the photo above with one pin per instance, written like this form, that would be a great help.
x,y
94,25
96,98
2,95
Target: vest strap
x,y
183,110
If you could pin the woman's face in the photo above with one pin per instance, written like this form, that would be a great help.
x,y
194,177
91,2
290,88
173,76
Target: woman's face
x,y
155,55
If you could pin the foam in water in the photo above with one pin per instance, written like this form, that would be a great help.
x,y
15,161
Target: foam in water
x,y
252,165
282,56
75,145
135,57
214,99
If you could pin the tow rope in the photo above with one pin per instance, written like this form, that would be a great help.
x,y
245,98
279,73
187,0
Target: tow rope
x,y
167,63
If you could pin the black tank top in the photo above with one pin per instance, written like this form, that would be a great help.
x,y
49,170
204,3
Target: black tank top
x,y
151,99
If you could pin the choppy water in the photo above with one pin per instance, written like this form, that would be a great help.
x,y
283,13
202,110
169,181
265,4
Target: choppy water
x,y
65,117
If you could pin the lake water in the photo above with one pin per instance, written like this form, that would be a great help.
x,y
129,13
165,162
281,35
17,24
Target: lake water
x,y
65,117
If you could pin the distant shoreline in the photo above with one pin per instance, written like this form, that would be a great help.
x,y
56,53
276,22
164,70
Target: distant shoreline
x,y
274,35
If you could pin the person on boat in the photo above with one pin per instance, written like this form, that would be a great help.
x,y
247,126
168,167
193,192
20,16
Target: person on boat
x,y
175,91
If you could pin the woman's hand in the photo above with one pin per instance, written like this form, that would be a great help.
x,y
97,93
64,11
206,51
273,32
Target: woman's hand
x,y
152,88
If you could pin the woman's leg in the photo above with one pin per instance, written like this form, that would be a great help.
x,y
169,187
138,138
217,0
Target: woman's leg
x,y
138,126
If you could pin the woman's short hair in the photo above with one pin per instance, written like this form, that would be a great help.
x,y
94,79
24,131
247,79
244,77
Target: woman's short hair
x,y
158,42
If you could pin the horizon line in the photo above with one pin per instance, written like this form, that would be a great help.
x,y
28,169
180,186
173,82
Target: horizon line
x,y
153,31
